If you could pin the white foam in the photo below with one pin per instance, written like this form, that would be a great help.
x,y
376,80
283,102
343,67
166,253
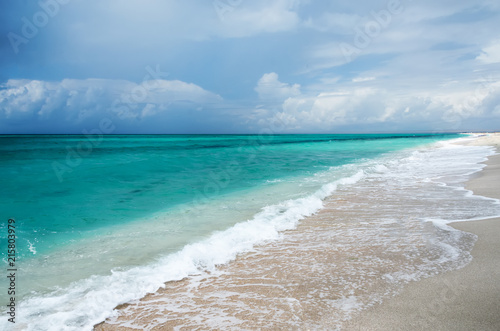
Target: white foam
x,y
31,247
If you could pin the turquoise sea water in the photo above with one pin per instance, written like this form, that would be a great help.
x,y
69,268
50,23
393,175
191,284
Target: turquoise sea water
x,y
90,207
60,188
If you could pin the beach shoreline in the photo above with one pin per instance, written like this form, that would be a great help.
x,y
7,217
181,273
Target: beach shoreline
x,y
463,299
277,271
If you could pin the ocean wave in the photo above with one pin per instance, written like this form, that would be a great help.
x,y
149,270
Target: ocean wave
x,y
88,302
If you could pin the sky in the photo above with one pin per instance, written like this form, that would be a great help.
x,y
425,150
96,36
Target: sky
x,y
241,66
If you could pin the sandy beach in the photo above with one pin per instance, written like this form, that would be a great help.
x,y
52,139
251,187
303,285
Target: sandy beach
x,y
284,282
464,299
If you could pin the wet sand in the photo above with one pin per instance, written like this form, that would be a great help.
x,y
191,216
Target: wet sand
x,y
464,299
317,276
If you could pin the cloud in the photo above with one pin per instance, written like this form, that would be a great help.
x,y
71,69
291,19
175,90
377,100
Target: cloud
x,y
71,101
144,22
247,19
416,28
362,79
371,108
270,88
491,53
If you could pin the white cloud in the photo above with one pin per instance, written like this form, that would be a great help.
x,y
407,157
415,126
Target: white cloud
x,y
163,91
76,100
491,53
270,88
362,79
375,106
249,19
422,27
326,55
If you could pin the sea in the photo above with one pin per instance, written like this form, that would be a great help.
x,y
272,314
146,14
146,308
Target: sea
x,y
101,221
